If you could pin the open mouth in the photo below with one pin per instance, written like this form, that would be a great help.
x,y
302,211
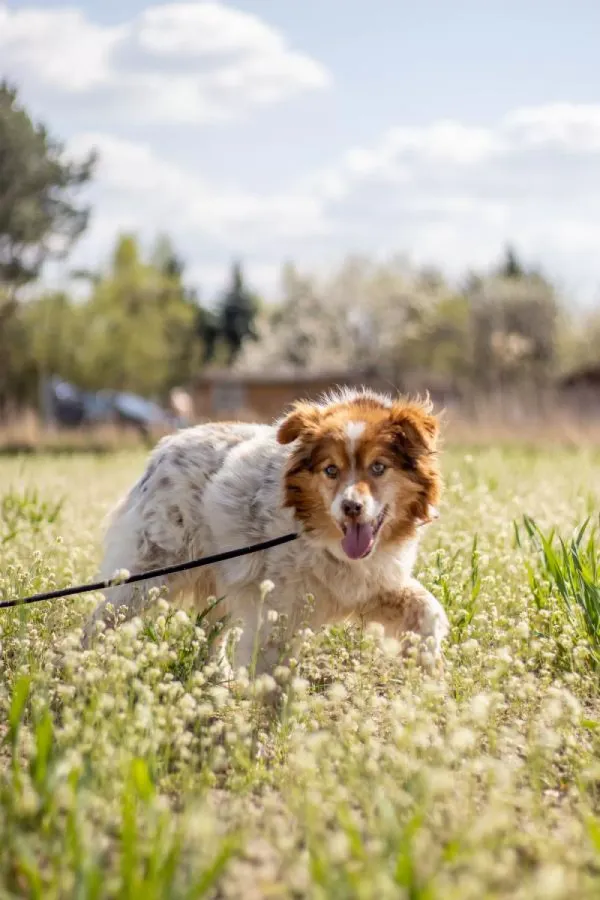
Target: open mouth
x,y
359,537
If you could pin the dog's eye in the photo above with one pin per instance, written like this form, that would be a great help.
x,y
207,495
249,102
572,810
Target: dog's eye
x,y
378,468
331,471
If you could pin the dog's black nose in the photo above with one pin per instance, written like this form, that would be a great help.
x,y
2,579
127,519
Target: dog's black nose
x,y
352,508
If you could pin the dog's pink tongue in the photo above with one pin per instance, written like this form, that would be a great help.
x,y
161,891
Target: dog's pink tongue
x,y
357,540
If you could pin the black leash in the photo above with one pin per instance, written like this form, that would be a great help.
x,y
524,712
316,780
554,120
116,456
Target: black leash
x,y
153,573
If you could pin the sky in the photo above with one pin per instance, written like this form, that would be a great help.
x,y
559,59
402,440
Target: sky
x,y
308,130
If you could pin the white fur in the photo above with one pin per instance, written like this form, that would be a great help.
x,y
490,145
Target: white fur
x,y
354,431
217,487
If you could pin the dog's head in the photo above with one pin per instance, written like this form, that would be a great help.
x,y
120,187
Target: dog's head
x,y
364,472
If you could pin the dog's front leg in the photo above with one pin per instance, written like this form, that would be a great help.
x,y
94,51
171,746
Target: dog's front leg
x,y
411,609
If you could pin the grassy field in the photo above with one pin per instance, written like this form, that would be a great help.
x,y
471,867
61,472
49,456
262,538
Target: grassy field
x,y
133,771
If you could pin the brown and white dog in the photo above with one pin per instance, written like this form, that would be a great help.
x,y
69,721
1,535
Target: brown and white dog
x,y
355,474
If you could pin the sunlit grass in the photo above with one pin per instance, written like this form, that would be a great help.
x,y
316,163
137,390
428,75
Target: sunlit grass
x,y
571,569
138,770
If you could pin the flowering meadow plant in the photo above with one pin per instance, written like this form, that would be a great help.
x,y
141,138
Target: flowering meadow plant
x,y
142,768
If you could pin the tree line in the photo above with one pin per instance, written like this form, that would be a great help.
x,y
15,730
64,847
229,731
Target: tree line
x,y
141,327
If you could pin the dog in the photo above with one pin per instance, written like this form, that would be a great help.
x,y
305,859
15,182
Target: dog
x,y
355,474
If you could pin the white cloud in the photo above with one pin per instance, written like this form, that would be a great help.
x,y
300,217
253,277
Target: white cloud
x,y
136,190
132,176
452,194
204,29
571,127
447,193
529,137
188,62
57,47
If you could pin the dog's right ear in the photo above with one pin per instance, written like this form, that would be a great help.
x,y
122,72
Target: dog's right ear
x,y
302,420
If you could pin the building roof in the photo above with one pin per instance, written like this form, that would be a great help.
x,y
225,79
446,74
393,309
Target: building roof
x,y
228,376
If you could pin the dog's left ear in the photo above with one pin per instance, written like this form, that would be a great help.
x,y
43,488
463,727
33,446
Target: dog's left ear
x,y
301,421
416,428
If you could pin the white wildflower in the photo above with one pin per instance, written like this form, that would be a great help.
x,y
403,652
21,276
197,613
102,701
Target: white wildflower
x,y
266,587
480,708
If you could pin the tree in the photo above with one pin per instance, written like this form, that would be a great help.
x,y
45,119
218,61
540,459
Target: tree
x,y
237,314
140,325
303,332
510,267
135,331
207,329
366,315
164,258
39,217
514,331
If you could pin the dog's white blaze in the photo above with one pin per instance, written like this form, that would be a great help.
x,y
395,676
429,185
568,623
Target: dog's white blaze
x,y
354,430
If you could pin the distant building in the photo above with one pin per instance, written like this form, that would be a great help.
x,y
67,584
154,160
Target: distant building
x,y
223,394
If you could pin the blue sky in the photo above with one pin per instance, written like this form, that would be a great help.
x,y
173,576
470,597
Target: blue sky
x,y
272,129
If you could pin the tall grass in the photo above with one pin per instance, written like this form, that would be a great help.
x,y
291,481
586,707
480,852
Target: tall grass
x,y
141,769
571,569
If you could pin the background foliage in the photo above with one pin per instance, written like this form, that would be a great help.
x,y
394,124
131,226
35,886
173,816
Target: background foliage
x,y
138,325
